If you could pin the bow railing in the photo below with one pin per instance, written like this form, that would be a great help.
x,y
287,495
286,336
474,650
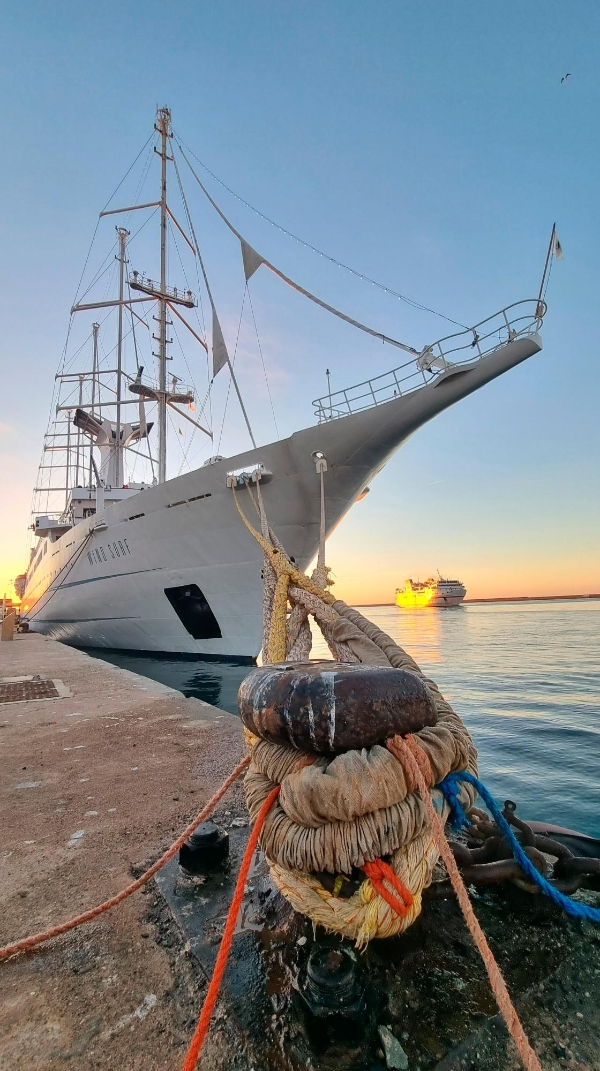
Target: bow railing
x,y
463,347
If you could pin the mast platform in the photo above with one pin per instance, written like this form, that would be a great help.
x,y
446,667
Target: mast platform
x,y
172,294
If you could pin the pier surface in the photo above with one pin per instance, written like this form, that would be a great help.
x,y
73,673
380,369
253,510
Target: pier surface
x,y
93,787
96,784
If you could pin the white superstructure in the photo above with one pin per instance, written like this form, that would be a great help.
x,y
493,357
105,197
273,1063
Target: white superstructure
x,y
166,565
432,592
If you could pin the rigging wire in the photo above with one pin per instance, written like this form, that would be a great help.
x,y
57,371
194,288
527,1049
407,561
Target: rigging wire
x,y
201,326
290,282
548,277
129,170
338,263
141,180
188,286
101,270
232,366
192,438
262,360
175,430
146,143
137,363
199,414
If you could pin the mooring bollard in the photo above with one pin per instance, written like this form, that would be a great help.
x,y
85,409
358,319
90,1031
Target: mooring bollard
x,y
8,626
205,850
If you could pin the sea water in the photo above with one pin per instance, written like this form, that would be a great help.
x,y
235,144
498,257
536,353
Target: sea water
x,y
524,677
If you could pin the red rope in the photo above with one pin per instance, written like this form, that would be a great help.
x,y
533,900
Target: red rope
x,y
377,871
212,992
28,943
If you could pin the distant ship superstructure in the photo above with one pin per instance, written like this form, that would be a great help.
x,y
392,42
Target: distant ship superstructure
x,y
432,592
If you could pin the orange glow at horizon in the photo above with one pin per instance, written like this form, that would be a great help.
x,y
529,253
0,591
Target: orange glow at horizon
x,y
373,579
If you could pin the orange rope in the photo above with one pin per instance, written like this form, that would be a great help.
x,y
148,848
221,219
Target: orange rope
x,y
376,872
407,748
28,943
221,961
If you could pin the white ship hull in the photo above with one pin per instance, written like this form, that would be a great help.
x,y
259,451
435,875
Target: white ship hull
x,y
102,583
446,600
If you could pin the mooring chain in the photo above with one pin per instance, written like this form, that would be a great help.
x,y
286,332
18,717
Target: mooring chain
x,y
487,858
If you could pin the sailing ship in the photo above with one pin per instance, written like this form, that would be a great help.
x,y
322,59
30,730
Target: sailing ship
x,y
127,558
431,592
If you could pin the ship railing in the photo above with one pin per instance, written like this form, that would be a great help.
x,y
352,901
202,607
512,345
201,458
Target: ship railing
x,y
463,347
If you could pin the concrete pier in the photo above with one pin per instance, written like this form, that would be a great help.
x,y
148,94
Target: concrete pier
x,y
94,786
96,781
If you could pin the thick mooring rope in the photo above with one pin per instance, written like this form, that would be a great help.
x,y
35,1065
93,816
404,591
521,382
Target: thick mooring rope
x,y
415,760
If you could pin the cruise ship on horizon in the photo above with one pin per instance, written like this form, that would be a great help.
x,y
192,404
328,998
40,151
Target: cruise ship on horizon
x,y
431,592
125,557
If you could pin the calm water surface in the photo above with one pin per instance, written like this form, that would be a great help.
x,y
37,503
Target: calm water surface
x,y
524,677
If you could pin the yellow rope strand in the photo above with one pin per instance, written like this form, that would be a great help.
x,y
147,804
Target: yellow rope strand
x,y
286,574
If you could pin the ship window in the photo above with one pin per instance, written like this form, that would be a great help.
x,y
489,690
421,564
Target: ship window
x,y
193,611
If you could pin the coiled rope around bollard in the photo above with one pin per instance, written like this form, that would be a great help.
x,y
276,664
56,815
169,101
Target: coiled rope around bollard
x,y
27,943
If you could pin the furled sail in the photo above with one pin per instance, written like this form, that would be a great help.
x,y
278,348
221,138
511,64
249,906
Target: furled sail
x,y
219,349
220,355
252,261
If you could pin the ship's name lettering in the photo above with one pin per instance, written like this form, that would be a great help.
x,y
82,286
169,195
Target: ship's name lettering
x,y
118,549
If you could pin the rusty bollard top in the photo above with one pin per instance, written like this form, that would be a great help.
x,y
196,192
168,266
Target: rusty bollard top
x,y
330,707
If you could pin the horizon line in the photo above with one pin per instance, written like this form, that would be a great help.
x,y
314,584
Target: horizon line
x,y
499,598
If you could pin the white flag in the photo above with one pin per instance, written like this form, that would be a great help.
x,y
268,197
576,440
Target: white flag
x,y
557,250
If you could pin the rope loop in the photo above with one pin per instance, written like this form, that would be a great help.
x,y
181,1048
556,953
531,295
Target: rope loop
x,y
450,787
378,871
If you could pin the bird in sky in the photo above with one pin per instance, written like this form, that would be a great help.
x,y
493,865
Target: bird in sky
x,y
564,78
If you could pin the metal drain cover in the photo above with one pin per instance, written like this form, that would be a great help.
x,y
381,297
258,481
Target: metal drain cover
x,y
31,689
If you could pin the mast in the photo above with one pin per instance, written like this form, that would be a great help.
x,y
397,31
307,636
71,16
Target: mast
x,y
163,122
122,235
113,435
78,453
95,330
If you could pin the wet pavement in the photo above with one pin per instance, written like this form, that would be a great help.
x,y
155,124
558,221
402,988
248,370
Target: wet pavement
x,y
427,990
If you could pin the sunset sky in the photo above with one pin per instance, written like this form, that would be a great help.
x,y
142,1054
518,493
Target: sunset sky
x,y
429,146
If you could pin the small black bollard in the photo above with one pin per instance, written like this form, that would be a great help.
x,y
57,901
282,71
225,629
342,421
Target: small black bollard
x,y
205,850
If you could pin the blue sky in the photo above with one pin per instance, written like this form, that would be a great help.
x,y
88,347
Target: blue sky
x,y
431,146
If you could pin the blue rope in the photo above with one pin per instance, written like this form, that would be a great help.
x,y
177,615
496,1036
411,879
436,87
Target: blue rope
x,y
458,816
450,787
